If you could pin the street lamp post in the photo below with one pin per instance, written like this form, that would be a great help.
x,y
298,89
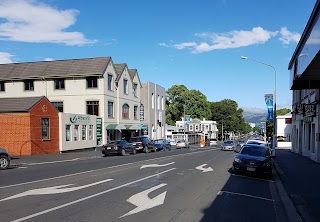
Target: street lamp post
x,y
274,99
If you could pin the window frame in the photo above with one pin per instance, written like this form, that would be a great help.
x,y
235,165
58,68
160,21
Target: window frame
x,y
68,133
2,86
135,89
28,85
60,83
58,105
46,129
125,113
92,82
135,112
94,103
109,84
125,86
111,114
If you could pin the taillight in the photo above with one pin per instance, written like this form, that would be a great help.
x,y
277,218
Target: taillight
x,y
115,147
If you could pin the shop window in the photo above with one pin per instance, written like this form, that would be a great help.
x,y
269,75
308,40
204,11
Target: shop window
x,y
45,129
84,132
90,132
76,133
59,84
109,82
92,82
28,85
2,89
58,105
68,133
125,111
152,101
93,108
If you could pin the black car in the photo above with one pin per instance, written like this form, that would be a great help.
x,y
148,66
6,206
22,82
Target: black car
x,y
253,159
4,159
143,144
119,147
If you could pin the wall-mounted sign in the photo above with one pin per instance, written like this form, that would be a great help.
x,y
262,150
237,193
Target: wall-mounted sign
x,y
79,119
309,110
299,109
307,119
141,112
99,131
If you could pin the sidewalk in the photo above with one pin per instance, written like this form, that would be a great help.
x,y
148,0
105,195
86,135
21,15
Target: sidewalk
x,y
300,177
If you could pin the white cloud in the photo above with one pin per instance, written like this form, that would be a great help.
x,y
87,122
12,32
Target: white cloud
x,y
5,58
31,21
287,37
48,59
229,40
164,44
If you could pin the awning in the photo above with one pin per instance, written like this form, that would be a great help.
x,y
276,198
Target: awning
x,y
116,127
138,127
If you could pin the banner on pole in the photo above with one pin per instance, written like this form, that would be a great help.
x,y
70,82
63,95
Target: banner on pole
x,y
269,102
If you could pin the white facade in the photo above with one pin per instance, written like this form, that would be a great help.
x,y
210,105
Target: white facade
x,y
207,127
77,131
305,130
284,130
153,100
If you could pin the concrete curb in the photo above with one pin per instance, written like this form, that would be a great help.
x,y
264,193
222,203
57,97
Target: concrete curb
x,y
290,209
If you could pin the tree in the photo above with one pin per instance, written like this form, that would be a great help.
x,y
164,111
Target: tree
x,y
283,111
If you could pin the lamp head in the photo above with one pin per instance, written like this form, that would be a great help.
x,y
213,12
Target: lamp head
x,y
243,57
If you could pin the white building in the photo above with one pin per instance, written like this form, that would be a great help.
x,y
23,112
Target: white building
x,y
284,130
153,110
207,127
93,86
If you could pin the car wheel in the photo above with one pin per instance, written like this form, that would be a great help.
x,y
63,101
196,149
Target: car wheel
x,y
4,162
146,150
123,152
134,151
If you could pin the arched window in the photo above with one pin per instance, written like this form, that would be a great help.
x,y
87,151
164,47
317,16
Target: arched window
x,y
125,111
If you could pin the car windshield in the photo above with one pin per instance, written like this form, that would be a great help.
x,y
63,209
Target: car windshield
x,y
254,151
158,141
227,142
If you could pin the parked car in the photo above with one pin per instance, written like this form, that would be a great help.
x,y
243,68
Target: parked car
x,y
264,143
4,159
241,143
183,144
253,159
119,147
213,142
173,142
143,144
162,144
228,145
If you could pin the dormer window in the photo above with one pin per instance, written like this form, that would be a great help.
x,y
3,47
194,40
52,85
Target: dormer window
x,y
109,82
125,86
135,88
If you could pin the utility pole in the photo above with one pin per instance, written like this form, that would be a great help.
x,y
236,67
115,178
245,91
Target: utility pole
x,y
222,131
184,120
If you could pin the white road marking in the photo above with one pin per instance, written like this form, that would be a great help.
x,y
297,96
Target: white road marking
x,y
246,195
156,165
53,190
101,169
143,202
58,161
204,170
88,197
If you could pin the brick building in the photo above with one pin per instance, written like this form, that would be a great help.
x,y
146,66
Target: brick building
x,y
29,126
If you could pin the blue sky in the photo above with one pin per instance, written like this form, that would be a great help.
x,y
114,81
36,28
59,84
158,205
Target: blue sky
x,y
197,43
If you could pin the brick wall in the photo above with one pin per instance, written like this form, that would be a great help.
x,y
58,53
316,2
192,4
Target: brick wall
x,y
21,134
44,109
15,133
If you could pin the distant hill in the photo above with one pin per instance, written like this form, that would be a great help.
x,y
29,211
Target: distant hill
x,y
254,115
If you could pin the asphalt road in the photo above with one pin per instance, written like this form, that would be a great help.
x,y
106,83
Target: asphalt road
x,y
181,185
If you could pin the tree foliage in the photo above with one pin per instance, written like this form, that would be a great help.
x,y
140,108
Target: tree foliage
x,y
283,111
181,100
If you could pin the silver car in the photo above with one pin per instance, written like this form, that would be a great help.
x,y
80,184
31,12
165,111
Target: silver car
x,y
182,144
228,145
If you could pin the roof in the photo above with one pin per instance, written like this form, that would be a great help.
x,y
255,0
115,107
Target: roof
x,y
11,105
132,73
119,69
54,69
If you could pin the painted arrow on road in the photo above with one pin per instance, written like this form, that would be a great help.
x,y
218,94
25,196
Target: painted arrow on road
x,y
53,190
143,202
156,165
204,170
